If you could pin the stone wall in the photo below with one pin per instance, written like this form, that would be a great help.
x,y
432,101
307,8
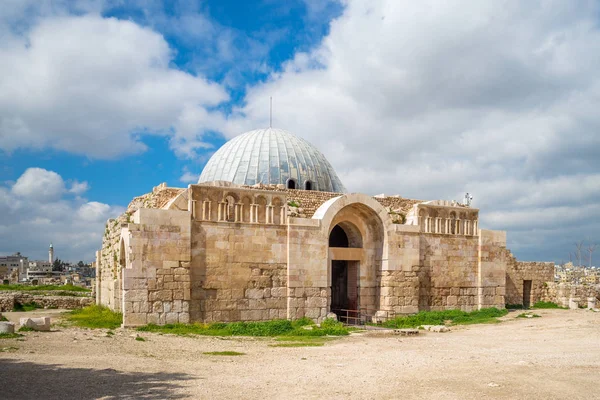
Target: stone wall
x,y
238,272
156,276
111,258
539,273
9,299
561,293
223,253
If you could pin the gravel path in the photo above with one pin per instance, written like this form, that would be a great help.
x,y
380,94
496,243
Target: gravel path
x,y
553,357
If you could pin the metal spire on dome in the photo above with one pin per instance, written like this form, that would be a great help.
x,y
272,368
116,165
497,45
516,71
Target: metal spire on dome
x,y
271,112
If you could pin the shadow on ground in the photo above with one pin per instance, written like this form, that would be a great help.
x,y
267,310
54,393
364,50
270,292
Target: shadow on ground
x,y
26,380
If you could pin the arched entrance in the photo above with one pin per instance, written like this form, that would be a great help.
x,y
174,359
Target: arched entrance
x,y
356,240
344,269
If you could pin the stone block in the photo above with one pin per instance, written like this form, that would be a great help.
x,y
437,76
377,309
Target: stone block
x,y
172,317
37,324
574,303
7,327
591,302
254,293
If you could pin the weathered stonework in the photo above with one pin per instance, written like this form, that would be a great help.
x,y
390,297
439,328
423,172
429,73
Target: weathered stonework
x,y
9,299
526,281
220,252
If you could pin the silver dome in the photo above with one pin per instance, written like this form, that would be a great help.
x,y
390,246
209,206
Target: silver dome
x,y
271,156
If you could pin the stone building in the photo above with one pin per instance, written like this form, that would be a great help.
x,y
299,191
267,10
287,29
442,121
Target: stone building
x,y
269,232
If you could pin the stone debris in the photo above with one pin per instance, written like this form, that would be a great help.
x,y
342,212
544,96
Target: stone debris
x,y
406,332
436,328
37,324
7,327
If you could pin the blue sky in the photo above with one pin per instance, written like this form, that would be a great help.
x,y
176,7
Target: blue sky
x,y
287,27
100,100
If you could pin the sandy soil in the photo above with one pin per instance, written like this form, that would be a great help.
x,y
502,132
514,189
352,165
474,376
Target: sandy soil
x,y
553,357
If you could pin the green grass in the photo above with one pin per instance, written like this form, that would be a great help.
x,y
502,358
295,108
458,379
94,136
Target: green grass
x,y
298,344
3,318
262,329
26,306
514,307
223,353
66,288
10,335
8,349
140,339
548,304
96,317
26,329
528,315
456,317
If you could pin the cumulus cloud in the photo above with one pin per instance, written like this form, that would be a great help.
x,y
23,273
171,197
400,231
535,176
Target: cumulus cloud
x,y
432,99
92,85
39,185
78,188
37,211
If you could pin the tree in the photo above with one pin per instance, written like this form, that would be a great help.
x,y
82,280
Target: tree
x,y
58,265
81,264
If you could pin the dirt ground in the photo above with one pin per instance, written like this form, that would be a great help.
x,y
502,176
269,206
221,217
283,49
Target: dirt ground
x,y
556,356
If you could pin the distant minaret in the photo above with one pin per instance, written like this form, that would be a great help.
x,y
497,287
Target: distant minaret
x,y
51,254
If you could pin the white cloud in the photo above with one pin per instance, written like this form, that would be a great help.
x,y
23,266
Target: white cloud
x,y
432,99
189,177
39,185
78,188
28,224
92,85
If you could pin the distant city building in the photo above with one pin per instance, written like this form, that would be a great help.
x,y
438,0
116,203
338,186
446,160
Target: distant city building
x,y
8,264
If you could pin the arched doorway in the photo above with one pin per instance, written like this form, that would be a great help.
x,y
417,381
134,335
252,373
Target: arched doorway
x,y
356,244
345,270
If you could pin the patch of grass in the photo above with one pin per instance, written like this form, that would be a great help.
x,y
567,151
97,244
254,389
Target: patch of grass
x,y
514,307
26,329
26,306
140,339
548,304
3,318
456,317
261,329
10,335
96,317
223,353
298,344
110,333
528,315
67,288
7,349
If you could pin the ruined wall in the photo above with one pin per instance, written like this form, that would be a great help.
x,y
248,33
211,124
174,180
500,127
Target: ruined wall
x,y
109,263
539,273
156,277
561,293
9,299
